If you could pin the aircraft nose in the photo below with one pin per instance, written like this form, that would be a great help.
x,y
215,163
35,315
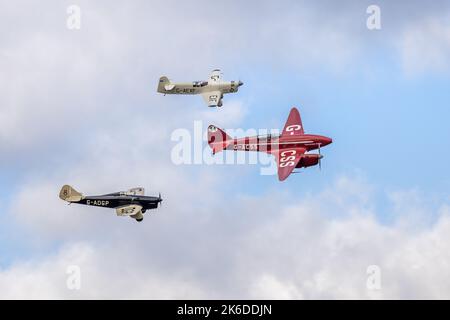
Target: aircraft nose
x,y
240,83
328,140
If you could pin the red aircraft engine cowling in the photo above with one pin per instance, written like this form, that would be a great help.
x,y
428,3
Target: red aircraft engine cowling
x,y
308,160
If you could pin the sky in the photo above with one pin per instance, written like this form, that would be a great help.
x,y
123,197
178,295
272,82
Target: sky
x,y
80,107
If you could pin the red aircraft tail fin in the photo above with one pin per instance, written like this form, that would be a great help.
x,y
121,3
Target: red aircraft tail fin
x,y
218,139
293,124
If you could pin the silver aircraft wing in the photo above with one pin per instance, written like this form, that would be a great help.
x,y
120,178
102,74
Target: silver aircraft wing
x,y
213,98
215,76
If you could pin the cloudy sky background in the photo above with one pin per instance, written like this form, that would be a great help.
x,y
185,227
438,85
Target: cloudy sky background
x,y
80,107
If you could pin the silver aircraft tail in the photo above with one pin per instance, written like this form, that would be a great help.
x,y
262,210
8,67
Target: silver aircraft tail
x,y
164,85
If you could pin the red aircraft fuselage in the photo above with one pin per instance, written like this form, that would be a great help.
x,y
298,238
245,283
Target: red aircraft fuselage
x,y
272,143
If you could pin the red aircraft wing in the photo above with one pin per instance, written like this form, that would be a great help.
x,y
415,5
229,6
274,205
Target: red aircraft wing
x,y
293,124
287,159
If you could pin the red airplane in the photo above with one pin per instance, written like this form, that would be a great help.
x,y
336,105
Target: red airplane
x,y
289,148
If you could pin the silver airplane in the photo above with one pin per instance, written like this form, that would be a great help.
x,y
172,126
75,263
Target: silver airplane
x,y
211,90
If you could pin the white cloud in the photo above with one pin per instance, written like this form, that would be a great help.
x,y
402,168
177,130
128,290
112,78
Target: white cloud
x,y
250,248
99,278
425,46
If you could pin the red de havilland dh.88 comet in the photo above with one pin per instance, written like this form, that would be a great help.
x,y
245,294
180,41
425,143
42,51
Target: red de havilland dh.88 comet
x,y
289,148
